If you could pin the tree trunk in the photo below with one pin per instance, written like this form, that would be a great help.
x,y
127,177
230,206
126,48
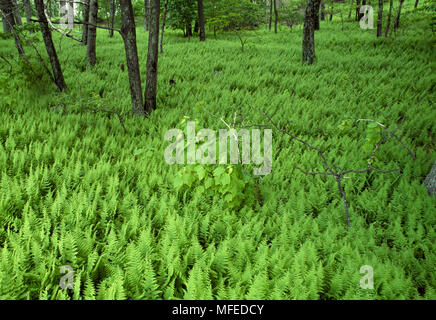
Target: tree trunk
x,y
92,33
322,11
147,15
201,20
128,32
430,181
416,4
163,26
17,13
85,19
188,29
152,57
112,13
316,15
380,18
28,9
276,16
7,14
51,51
358,14
270,13
309,33
388,24
331,14
397,20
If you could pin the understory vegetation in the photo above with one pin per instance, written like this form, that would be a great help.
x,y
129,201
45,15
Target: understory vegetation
x,y
77,189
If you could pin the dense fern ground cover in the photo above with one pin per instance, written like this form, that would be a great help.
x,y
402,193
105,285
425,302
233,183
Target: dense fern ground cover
x,y
77,190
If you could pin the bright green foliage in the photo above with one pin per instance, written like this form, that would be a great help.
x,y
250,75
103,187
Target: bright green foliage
x,y
76,190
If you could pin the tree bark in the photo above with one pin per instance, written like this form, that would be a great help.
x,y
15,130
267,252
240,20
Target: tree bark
x,y
147,15
28,9
380,18
17,13
112,13
322,11
416,4
397,20
331,14
358,14
163,26
316,15
92,33
188,29
388,23
152,57
51,51
85,19
270,13
201,20
276,16
128,32
309,33
9,23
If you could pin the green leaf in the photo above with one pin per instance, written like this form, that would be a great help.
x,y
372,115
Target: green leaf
x,y
201,172
219,171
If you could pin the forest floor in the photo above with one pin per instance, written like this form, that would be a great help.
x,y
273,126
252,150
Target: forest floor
x,y
78,190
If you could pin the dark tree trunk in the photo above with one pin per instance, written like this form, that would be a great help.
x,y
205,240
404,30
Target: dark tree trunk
x,y
397,20
17,13
112,13
276,16
163,26
322,11
201,20
309,33
28,9
316,15
388,23
416,4
380,18
51,51
92,33
7,14
188,30
152,57
147,15
128,32
331,14
85,19
196,27
270,13
358,14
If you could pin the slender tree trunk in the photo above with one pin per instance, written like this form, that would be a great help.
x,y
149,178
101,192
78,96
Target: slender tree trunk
x,y
188,29
112,13
397,20
201,20
17,13
85,19
152,57
7,14
316,15
388,23
276,16
128,32
416,4
322,10
331,14
163,26
51,51
28,9
358,14
380,18
309,33
92,33
147,15
196,26
270,13
351,9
